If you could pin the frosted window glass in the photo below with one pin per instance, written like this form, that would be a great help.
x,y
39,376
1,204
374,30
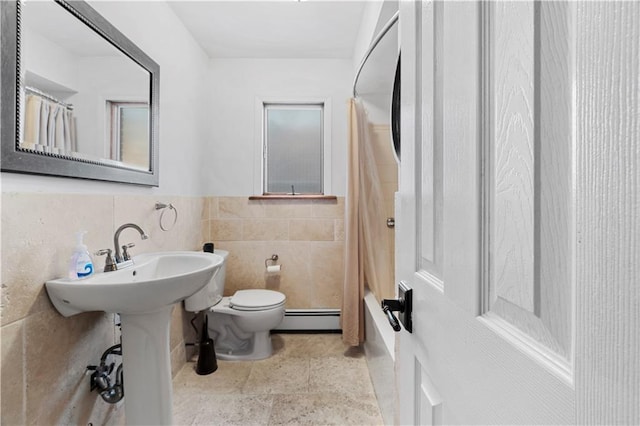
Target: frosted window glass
x,y
293,143
134,136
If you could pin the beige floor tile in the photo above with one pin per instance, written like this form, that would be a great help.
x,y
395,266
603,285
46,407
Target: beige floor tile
x,y
349,376
278,375
311,345
229,378
331,345
311,379
197,408
325,409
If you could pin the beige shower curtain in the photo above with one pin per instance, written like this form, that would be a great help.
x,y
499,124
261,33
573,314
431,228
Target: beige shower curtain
x,y
367,259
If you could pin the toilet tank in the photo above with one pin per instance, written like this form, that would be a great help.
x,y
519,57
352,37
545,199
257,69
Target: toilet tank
x,y
211,294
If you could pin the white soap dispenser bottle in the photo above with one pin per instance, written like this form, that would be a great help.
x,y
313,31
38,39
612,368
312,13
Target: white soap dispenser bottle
x,y
81,265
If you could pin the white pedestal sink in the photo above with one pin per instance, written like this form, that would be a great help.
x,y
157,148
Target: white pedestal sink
x,y
143,295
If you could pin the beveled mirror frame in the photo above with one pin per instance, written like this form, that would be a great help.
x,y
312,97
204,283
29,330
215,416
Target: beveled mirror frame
x,y
25,161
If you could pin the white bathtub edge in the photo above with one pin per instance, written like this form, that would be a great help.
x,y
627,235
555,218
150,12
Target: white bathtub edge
x,y
381,323
380,355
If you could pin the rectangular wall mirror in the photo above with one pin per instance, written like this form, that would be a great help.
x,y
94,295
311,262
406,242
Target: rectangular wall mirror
x,y
79,99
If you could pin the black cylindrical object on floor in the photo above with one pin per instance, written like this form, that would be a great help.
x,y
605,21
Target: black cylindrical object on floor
x,y
207,362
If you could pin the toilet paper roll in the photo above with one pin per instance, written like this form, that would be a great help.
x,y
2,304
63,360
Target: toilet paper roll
x,y
273,269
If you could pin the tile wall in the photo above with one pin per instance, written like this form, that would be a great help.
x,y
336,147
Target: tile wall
x,y
307,235
44,355
388,174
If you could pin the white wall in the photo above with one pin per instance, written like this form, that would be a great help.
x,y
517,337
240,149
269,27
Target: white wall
x,y
104,78
183,99
366,32
237,83
50,60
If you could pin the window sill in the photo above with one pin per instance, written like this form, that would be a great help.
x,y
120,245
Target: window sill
x,y
293,197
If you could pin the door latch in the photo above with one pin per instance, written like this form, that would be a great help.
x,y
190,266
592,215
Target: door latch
x,y
403,304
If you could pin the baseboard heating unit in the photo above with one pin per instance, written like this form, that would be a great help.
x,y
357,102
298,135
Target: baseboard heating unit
x,y
310,320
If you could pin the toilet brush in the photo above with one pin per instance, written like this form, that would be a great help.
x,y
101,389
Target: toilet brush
x,y
207,362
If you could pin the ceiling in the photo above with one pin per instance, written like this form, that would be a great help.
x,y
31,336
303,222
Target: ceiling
x,y
53,23
273,29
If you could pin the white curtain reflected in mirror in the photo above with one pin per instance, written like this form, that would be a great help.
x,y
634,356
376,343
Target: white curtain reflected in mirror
x,y
49,124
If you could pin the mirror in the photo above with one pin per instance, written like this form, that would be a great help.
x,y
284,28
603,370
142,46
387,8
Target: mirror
x,y
79,99
395,111
378,86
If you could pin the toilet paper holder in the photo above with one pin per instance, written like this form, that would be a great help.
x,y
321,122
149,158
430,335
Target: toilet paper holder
x,y
273,258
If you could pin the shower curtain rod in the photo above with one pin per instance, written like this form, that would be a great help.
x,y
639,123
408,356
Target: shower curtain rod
x,y
373,45
47,96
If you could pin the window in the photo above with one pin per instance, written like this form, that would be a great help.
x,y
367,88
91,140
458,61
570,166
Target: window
x,y
129,133
293,148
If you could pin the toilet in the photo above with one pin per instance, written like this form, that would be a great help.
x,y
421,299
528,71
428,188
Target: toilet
x,y
240,325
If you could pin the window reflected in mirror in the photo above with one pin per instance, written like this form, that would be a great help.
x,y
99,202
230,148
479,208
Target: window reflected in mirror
x,y
129,133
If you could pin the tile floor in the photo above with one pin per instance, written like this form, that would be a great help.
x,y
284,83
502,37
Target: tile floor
x,y
311,379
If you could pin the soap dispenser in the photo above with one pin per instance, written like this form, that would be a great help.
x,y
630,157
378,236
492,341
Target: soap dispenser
x,y
81,265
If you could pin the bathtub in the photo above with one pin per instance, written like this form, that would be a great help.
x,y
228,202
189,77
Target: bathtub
x,y
379,349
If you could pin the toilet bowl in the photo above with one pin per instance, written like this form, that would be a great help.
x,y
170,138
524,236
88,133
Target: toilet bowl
x,y
240,325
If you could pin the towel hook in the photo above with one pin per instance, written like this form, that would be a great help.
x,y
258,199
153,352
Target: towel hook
x,y
164,208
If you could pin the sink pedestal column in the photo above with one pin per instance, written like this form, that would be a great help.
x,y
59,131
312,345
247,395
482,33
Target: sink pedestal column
x,y
146,359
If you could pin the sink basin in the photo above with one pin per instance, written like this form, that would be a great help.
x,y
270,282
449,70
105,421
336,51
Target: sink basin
x,y
143,294
153,281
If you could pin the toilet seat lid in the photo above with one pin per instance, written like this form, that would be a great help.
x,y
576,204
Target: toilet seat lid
x,y
253,300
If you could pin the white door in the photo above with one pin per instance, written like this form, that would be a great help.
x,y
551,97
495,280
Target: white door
x,y
518,213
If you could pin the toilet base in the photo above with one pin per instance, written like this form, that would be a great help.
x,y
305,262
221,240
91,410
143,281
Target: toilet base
x,y
243,335
260,348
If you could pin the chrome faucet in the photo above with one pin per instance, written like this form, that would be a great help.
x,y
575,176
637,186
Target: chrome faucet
x,y
120,258
109,264
123,260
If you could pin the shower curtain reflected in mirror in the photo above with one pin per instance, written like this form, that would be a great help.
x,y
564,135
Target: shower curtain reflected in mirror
x,y
49,125
368,249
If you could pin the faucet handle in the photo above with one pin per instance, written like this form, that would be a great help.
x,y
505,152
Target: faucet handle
x,y
125,254
109,264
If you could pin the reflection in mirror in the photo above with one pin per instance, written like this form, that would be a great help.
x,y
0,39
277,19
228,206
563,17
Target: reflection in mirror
x,y
129,133
395,110
83,97
378,86
82,100
375,83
